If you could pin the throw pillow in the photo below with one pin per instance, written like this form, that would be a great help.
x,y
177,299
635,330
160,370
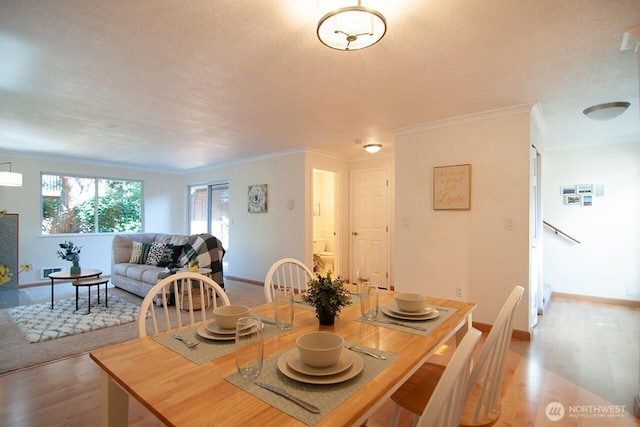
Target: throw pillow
x,y
155,253
136,253
168,256
146,247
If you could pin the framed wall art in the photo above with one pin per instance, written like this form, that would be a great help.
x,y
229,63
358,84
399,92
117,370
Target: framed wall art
x,y
257,198
452,187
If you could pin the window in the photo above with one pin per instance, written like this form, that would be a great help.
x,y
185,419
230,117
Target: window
x,y
209,211
75,204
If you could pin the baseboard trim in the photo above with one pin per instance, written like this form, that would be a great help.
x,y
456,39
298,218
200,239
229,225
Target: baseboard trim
x,y
516,334
601,300
249,281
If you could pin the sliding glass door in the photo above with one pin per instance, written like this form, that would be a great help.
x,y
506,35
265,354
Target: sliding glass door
x,y
209,211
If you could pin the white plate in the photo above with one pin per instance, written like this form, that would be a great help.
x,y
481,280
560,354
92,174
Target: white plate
x,y
295,362
205,333
424,312
346,375
216,329
430,316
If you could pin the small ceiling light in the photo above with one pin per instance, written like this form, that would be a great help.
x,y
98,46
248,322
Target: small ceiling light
x,y
372,148
10,179
351,27
607,111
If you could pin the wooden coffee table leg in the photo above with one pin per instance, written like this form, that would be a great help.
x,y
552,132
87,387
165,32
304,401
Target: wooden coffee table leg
x,y
76,299
89,302
106,297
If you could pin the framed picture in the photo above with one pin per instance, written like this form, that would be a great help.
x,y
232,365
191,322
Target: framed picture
x,y
567,190
452,187
587,200
257,198
572,200
584,188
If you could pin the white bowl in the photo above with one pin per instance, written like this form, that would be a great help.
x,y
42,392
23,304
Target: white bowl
x,y
411,303
227,315
320,349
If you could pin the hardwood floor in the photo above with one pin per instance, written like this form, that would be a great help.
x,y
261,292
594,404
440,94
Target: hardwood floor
x,y
583,355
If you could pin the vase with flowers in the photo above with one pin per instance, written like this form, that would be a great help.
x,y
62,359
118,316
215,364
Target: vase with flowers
x,y
71,252
328,296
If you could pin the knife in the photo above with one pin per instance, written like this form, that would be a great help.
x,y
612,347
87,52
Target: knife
x,y
393,322
265,320
282,392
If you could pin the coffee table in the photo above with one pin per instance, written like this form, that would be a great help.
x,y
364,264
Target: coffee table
x,y
97,281
66,275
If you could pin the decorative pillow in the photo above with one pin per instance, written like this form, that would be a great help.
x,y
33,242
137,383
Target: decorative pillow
x,y
188,252
146,247
136,253
155,253
177,253
167,253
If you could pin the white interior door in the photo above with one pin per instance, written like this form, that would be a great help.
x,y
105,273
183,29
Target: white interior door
x,y
535,229
370,225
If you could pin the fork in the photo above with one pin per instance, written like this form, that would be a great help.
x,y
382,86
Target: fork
x,y
189,344
360,350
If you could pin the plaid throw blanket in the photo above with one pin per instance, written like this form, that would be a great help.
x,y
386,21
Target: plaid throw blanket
x,y
209,252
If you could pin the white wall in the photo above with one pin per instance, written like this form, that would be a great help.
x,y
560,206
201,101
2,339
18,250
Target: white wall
x,y
606,263
436,251
164,211
258,240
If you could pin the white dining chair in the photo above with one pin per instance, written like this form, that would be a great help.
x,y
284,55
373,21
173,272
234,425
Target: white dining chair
x,y
156,313
287,273
483,404
448,398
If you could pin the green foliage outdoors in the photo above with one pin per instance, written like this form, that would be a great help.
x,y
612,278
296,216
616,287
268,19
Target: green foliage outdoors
x,y
119,210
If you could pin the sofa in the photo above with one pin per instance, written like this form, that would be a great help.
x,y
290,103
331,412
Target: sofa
x,y
139,260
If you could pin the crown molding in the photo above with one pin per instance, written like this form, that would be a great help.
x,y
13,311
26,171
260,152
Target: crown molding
x,y
486,115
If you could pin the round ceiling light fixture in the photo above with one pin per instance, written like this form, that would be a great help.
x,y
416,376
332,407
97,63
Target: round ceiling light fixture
x,y
607,111
351,28
373,148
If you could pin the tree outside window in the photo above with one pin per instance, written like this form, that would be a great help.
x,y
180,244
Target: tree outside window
x,y
72,204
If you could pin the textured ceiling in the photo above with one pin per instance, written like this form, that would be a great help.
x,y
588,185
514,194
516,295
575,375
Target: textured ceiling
x,y
184,84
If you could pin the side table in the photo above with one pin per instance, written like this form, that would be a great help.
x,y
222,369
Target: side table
x,y
205,272
66,275
89,283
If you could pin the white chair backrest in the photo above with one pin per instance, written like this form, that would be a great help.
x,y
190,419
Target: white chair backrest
x,y
286,273
184,307
445,405
489,367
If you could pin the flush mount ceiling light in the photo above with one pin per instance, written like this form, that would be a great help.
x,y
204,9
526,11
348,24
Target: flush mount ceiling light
x,y
373,148
351,27
10,179
607,111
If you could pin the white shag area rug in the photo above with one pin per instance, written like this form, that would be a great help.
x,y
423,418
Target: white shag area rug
x,y
39,323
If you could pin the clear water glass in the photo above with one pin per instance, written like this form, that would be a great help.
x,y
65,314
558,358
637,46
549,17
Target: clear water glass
x,y
283,308
249,346
369,300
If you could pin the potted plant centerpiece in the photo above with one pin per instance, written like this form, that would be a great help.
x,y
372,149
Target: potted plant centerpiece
x,y
71,253
328,296
194,264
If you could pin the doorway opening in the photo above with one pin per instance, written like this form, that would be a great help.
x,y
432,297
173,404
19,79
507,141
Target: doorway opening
x,y
325,212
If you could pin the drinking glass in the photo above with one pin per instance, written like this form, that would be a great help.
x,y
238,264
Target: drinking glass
x,y
249,346
283,307
369,300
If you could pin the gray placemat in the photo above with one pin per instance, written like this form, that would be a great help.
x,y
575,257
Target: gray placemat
x,y
429,325
325,396
208,350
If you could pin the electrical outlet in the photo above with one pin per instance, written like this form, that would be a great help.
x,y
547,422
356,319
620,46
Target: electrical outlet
x,y
458,291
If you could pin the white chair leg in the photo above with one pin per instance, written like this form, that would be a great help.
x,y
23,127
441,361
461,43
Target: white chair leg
x,y
395,415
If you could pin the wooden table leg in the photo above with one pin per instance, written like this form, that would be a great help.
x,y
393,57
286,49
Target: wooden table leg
x,y
115,402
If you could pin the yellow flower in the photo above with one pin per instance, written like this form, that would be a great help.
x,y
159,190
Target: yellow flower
x,y
25,268
5,276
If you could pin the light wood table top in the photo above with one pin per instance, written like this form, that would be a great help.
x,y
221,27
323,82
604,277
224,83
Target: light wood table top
x,y
180,392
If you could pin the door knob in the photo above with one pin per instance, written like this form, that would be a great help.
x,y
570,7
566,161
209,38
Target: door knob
x,y
355,233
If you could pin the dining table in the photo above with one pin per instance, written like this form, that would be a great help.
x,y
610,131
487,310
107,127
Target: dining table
x,y
181,387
